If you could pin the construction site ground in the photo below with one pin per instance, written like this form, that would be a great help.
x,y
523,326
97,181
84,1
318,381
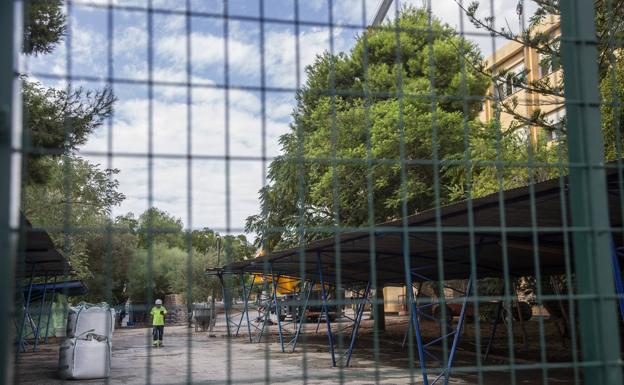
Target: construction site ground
x,y
197,357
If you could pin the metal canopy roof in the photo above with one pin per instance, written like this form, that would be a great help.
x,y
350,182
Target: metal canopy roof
x,y
497,236
71,288
37,254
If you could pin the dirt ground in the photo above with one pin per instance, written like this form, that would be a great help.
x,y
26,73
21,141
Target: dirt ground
x,y
191,357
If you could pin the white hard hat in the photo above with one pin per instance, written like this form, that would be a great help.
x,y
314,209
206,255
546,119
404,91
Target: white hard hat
x,y
159,302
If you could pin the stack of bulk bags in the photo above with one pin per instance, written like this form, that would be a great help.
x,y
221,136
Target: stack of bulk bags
x,y
86,354
97,319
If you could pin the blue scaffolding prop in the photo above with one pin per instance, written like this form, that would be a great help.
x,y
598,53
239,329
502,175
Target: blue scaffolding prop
x,y
292,328
44,293
234,320
260,305
616,255
418,310
342,359
245,315
266,304
21,342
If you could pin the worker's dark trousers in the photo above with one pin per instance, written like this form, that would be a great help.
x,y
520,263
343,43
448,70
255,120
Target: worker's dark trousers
x,y
158,333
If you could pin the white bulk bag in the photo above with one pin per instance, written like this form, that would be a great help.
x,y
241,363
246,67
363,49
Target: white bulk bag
x,y
87,318
83,359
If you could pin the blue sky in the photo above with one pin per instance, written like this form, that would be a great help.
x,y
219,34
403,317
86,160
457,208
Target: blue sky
x,y
127,136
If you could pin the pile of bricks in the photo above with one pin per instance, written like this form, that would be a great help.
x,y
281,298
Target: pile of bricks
x,y
177,311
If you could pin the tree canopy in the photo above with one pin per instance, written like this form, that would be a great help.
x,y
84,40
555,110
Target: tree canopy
x,y
363,123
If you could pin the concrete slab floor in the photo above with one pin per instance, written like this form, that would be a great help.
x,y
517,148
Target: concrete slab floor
x,y
190,357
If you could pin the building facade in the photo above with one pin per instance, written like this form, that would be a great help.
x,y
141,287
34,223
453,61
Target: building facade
x,y
519,67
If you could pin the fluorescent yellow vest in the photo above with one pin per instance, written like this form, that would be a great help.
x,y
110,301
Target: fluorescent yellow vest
x,y
158,319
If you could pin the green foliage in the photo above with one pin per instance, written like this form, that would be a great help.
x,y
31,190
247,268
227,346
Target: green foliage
x,y
58,122
155,271
499,162
350,124
77,196
44,26
176,270
158,226
612,95
109,252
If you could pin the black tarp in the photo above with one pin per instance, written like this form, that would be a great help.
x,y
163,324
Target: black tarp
x,y
36,253
500,231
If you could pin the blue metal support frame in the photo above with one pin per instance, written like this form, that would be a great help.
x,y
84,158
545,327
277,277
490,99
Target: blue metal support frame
x,y
416,325
325,308
301,298
616,254
226,308
301,317
40,315
416,311
342,359
45,340
246,294
266,315
26,310
357,322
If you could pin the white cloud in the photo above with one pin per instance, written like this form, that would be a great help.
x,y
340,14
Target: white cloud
x,y
170,187
208,107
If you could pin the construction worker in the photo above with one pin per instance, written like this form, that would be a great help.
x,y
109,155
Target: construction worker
x,y
158,313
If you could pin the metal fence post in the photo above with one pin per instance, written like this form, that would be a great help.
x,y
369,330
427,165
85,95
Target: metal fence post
x,y
10,114
588,196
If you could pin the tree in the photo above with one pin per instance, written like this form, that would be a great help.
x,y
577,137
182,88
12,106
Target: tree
x,y
494,159
57,122
154,270
354,115
108,257
72,205
158,226
612,116
44,26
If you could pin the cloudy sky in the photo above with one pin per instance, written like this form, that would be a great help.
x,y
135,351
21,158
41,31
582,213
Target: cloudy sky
x,y
195,123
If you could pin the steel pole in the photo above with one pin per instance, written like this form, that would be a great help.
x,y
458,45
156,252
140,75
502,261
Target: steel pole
x,y
600,340
20,336
325,309
10,139
357,322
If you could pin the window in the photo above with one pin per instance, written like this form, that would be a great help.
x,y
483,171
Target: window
x,y
512,81
557,119
522,133
548,64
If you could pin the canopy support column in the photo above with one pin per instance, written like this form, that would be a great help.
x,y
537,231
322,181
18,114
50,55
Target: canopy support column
x,y
246,295
357,322
26,309
40,315
226,304
325,308
301,313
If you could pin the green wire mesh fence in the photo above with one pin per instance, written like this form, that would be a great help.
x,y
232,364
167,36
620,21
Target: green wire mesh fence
x,y
347,191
